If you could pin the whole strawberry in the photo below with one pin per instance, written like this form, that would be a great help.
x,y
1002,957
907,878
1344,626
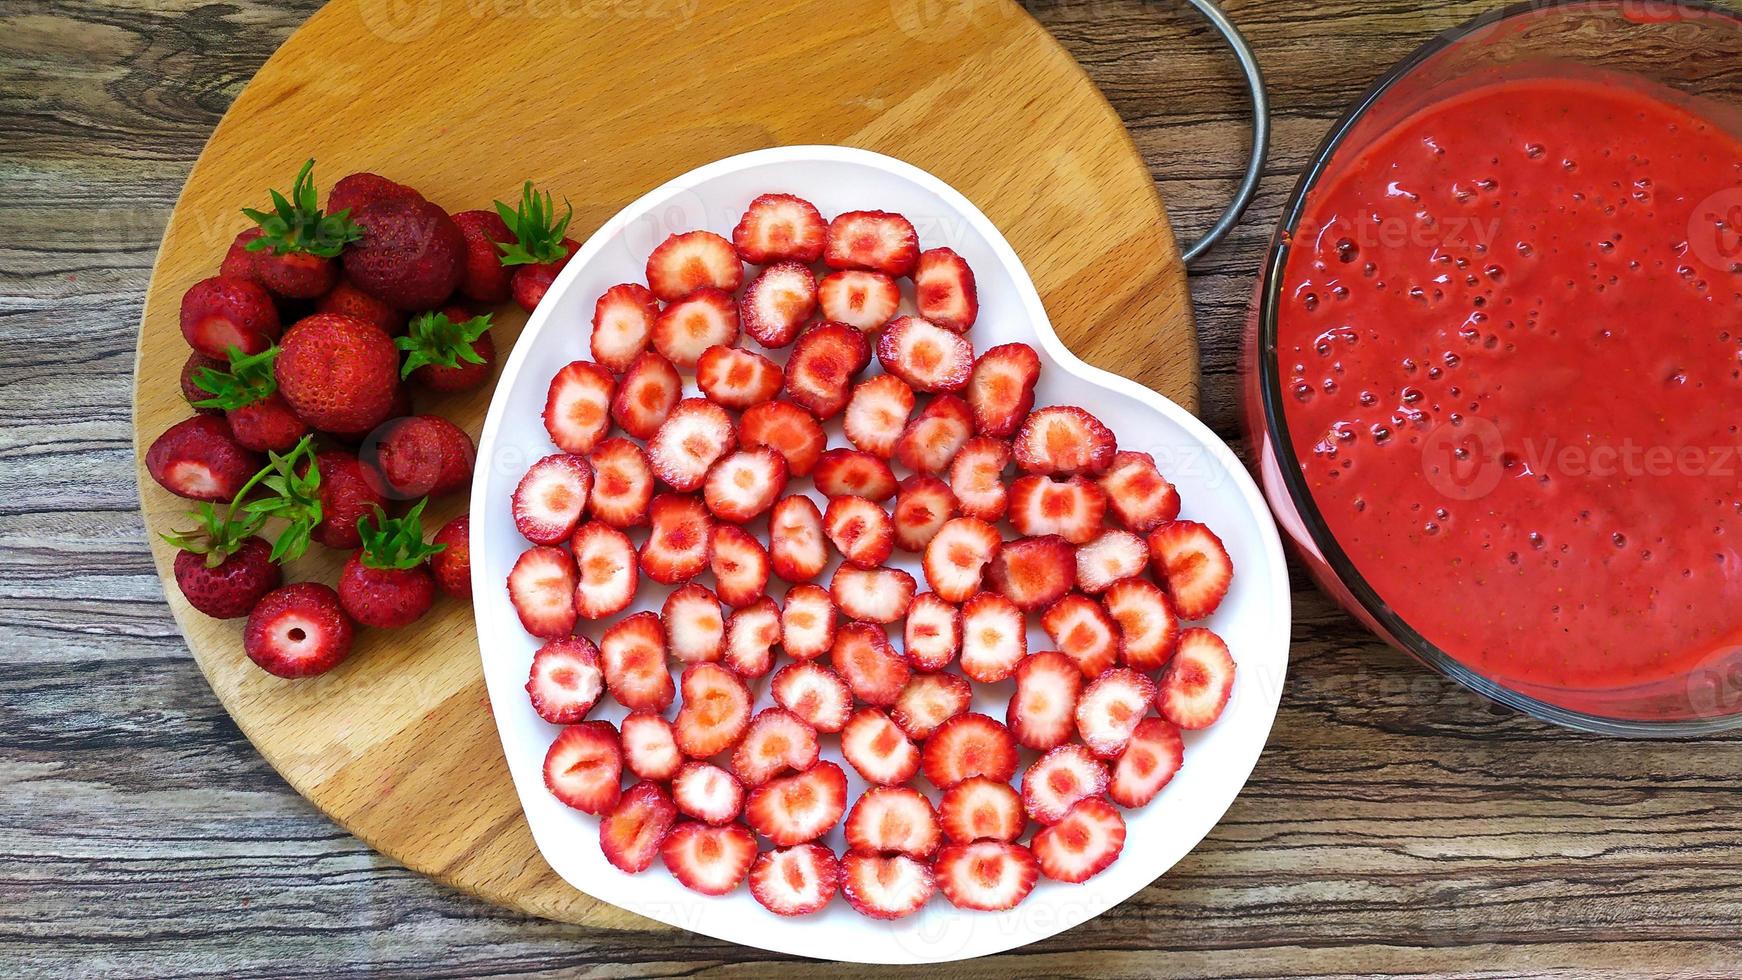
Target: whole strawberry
x,y
486,278
452,566
352,191
258,417
338,373
411,255
298,242
224,312
447,350
197,458
351,301
387,583
346,496
298,631
223,567
539,251
239,262
421,456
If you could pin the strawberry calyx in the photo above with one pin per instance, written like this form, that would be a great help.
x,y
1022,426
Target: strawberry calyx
x,y
291,496
433,339
248,380
538,232
296,224
216,537
395,542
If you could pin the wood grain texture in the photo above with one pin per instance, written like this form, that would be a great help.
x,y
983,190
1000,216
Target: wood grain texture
x,y
1396,826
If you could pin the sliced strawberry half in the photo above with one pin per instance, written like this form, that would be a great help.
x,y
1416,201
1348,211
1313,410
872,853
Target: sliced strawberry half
x,y
796,880
707,859
1033,572
994,637
807,622
705,318
957,556
693,260
632,653
1137,493
1071,508
650,746
932,439
715,711
863,657
739,564
860,530
622,484
779,227
877,413
866,300
786,429
877,748
677,546
605,570
776,742
649,389
697,434
925,355
746,483
1084,631
565,681
1043,711
825,360
1060,778
943,287
735,378
981,809
876,240
777,302
550,497
928,701
1195,687
986,876
886,886
1148,626
1063,440
977,478
1001,390
966,746
844,472
798,809
1195,565
814,693
707,793
694,626
541,586
796,545
872,595
622,323
893,820
1110,708
751,633
584,767
1082,844
1111,556
1149,761
923,505
631,834
577,410
932,633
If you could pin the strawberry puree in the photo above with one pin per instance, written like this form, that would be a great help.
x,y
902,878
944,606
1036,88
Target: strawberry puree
x,y
1511,355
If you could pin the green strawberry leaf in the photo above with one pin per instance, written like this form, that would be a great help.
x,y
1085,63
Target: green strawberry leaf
x,y
538,232
395,542
432,338
213,536
296,224
293,497
248,380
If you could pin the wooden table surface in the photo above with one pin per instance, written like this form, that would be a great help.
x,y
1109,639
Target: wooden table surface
x,y
1397,825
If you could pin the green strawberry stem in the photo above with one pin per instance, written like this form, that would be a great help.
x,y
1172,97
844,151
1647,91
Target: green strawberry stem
x,y
215,537
295,498
538,232
395,542
248,380
433,339
296,224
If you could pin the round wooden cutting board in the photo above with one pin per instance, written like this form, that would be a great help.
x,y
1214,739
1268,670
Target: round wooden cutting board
x,y
600,102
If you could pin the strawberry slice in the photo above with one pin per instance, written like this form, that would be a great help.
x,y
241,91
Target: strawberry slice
x,y
735,378
873,595
751,633
550,497
932,633
696,435
1043,711
715,711
649,390
925,355
1194,688
866,300
928,701
877,414
777,302
1071,508
632,653
1148,625
584,767
786,429
798,809
994,637
705,318
943,287
814,693
1082,844
707,793
796,545
622,483
986,876
677,545
825,360
1149,761
1111,556
931,441
1033,572
878,749
807,622
780,227
977,478
622,323
565,681
650,746
1060,778
606,576
860,530
744,484
886,886
893,820
706,859
739,564
966,746
923,505
849,472
1138,495
693,260
1001,390
631,834
865,660
1084,631
777,741
957,556
577,411
694,626
1110,708
981,809
795,880
541,587
1063,440
876,240
1195,565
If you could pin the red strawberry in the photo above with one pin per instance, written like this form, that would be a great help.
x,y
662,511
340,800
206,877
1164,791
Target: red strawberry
x,y
191,392
1194,688
893,819
631,834
1059,779
860,530
686,327
352,191
709,860
1033,572
266,425
622,483
1063,440
632,654
584,767
411,254
735,378
696,435
297,631
452,566
538,249
239,263
777,741
932,633
347,493
483,277
606,575
966,746
387,584
1138,495
542,588
223,571
977,478
986,876
1071,508
694,626
994,637
549,499
421,456
739,564
931,440
650,388
1081,845
751,633
224,312
795,880
622,325
798,809
981,809
814,693
874,240
788,430
777,302
1001,391
1149,761
707,793
957,555
928,701
878,595
886,886
296,275
849,472
447,351
1148,625
1084,631
350,301
943,287
866,300
795,539
565,681
1111,556
879,750
743,485
650,745
925,355
779,227
863,657
1195,565
877,414
529,283
577,411
694,260
1043,711
807,623
824,361
715,711
197,458
338,373
1110,708
923,505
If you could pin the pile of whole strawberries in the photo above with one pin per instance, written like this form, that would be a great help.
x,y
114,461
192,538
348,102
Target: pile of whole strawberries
x,y
1098,553
308,430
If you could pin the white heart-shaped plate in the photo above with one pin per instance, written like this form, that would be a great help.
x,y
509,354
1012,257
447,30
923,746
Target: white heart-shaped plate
x,y
1215,489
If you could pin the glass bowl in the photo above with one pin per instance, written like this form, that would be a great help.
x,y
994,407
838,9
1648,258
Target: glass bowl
x,y
1672,47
